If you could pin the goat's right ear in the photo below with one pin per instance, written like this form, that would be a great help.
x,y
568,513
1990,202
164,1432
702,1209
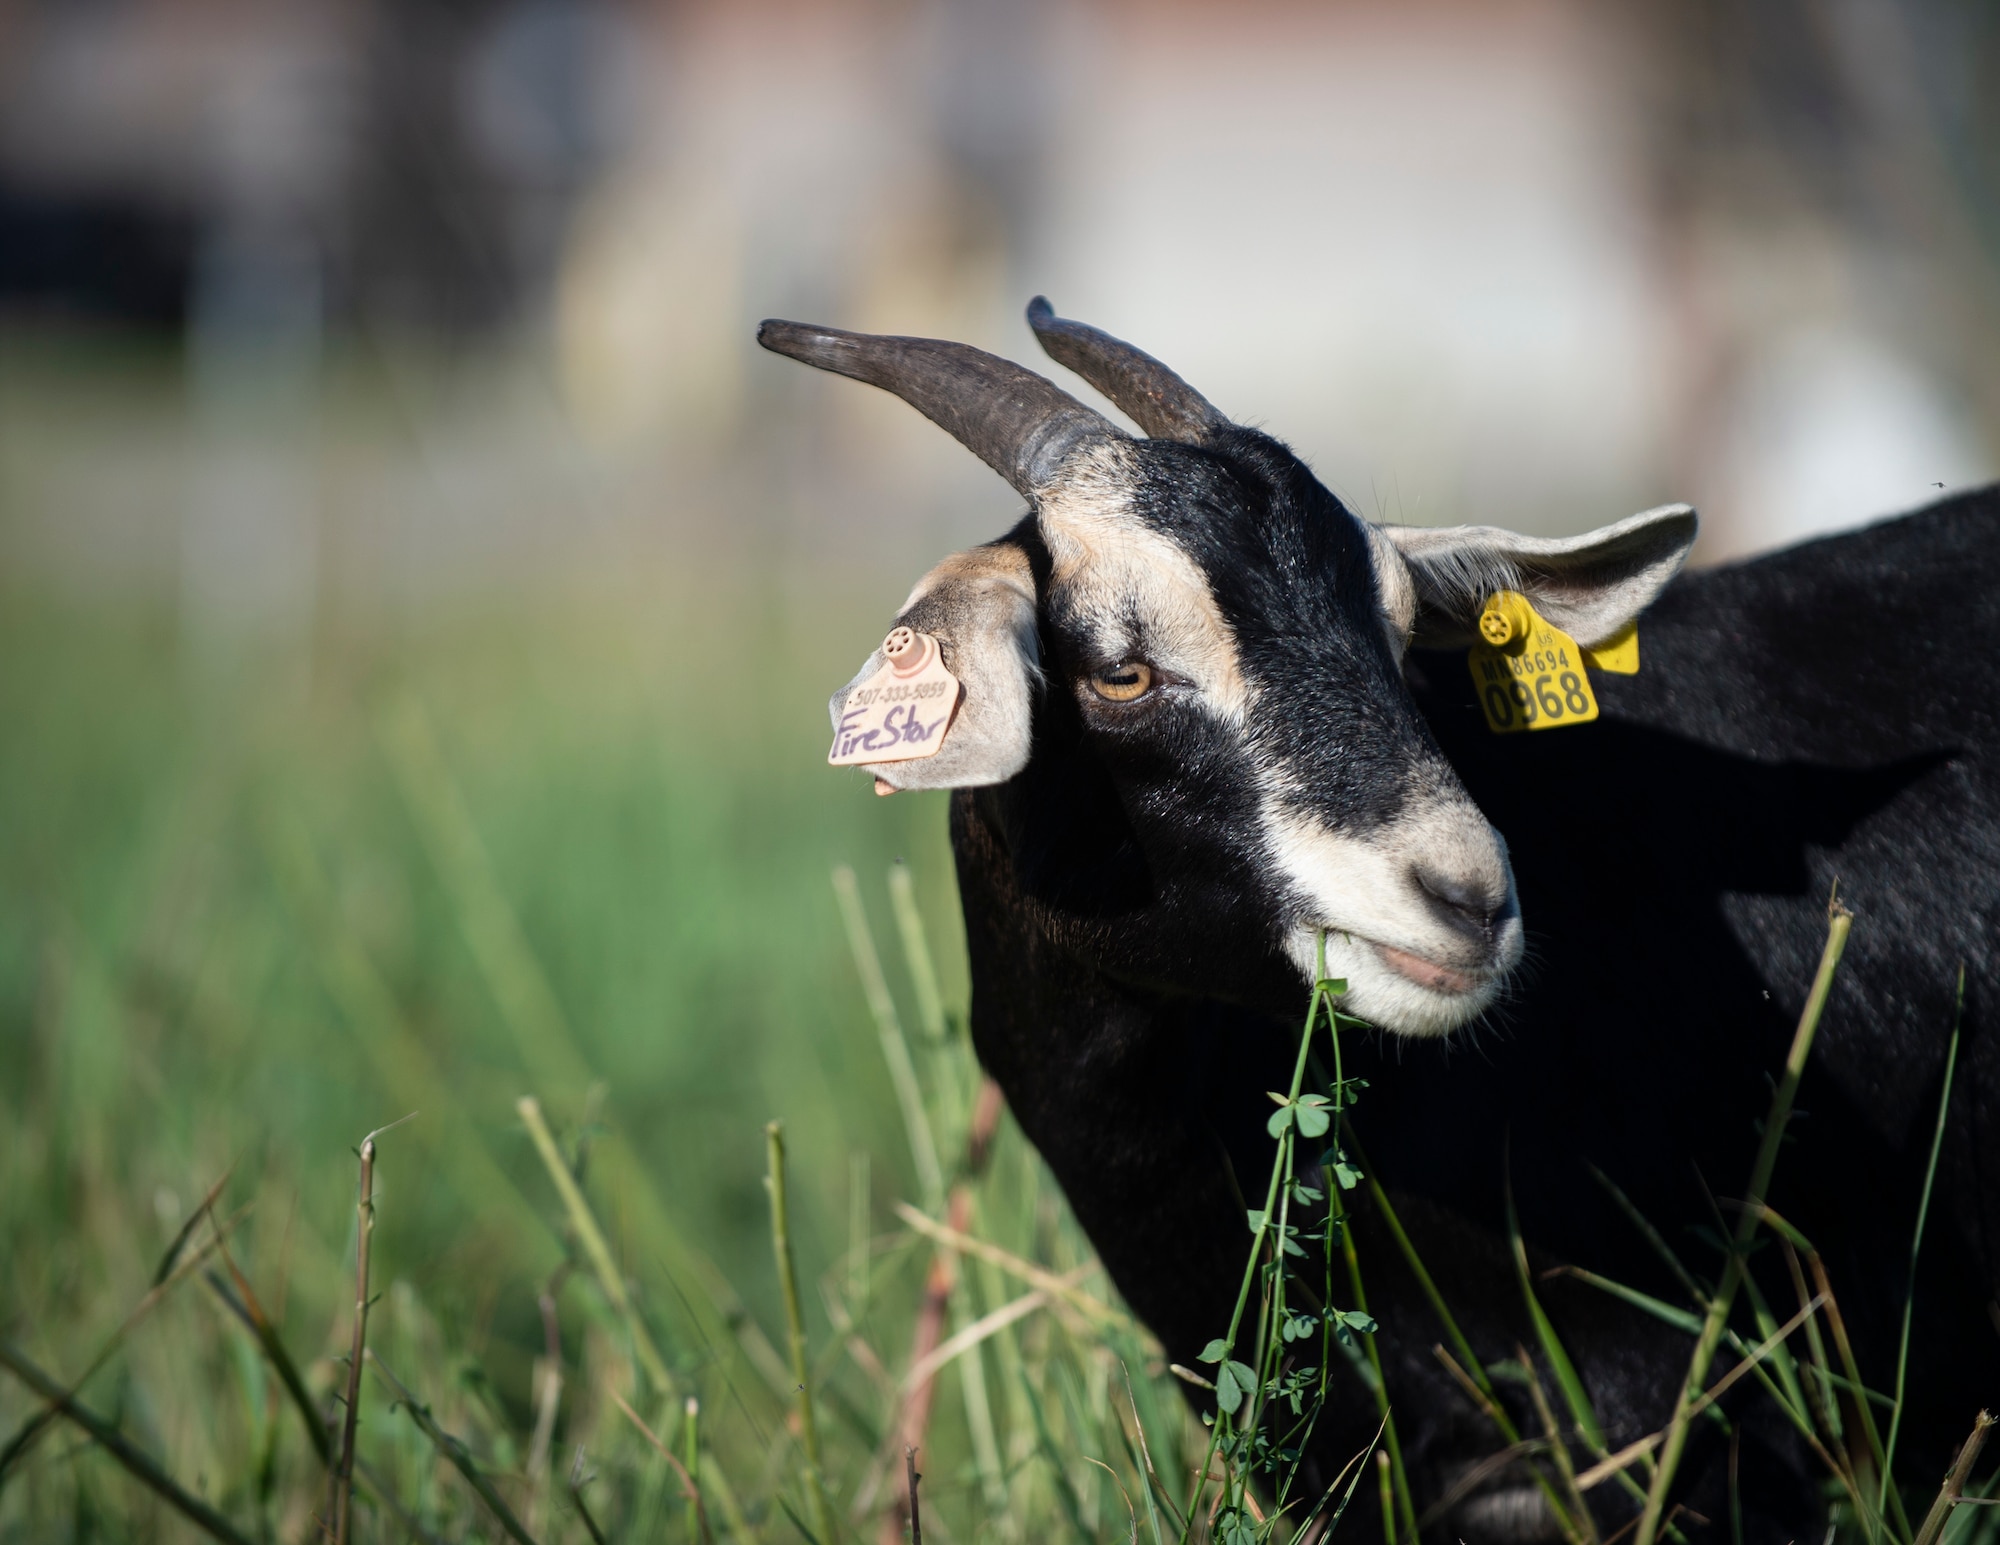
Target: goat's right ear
x,y
1433,581
980,607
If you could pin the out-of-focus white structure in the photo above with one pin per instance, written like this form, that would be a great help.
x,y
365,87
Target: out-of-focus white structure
x,y
1530,263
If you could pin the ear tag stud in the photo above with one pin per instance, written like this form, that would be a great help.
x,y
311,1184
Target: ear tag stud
x,y
901,712
1527,672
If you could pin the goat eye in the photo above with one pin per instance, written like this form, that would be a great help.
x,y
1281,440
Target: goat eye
x,y
1123,682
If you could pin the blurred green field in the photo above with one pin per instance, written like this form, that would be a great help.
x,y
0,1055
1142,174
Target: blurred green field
x,y
249,913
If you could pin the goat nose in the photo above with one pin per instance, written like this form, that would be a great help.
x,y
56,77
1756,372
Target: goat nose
x,y
1469,902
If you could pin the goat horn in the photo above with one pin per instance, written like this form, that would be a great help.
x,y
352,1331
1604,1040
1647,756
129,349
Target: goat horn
x,y
1020,425
1160,402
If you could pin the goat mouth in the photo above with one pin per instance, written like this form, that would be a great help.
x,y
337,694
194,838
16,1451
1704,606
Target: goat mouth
x,y
1428,973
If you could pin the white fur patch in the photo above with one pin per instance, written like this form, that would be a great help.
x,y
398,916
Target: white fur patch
x,y
1364,893
1117,572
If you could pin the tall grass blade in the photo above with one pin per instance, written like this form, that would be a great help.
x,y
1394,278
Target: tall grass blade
x,y
1681,1319
917,953
1421,1272
1045,1445
609,1278
1917,1240
1652,1236
438,809
895,1048
1575,1520
140,1465
717,1483
1783,1363
788,1283
1863,1408
1351,1473
1148,1478
1581,1409
965,1306
399,1059
542,1033
1717,1317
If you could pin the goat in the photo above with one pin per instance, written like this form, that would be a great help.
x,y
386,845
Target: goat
x,y
1210,716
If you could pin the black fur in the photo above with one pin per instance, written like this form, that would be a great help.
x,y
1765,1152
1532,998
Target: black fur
x,y
1824,713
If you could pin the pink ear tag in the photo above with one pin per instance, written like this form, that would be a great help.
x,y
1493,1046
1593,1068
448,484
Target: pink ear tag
x,y
901,712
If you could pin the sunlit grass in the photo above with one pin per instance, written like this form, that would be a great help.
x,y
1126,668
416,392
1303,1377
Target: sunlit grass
x,y
576,857
553,885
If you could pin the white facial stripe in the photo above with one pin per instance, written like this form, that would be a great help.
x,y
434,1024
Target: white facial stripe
x,y
1364,893
1110,566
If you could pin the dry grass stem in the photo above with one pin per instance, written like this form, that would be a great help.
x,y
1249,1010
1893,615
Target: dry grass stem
x,y
343,1469
1055,1285
1950,1493
690,1491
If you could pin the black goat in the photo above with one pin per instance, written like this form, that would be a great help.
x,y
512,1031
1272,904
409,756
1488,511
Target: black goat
x,y
1209,713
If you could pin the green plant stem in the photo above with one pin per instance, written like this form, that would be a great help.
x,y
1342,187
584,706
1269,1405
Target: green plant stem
x,y
1405,1503
1189,1512
795,1326
691,1459
1916,1243
1760,1182
591,1237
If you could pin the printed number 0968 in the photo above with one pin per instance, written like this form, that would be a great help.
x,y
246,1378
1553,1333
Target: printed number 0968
x,y
1555,697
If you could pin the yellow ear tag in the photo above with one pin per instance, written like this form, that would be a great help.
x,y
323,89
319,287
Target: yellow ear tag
x,y
1618,654
902,711
1528,673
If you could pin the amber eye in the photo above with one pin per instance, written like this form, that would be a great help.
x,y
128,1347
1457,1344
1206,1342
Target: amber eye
x,y
1123,682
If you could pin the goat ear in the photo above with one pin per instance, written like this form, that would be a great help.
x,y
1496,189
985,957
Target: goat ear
x,y
980,607
1590,586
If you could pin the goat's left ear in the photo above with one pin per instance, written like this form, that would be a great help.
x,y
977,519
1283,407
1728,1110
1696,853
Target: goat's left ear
x,y
980,607
1434,581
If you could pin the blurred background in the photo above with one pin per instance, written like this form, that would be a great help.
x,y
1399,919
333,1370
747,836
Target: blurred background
x,y
398,522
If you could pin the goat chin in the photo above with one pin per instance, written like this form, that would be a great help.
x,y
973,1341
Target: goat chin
x,y
1390,999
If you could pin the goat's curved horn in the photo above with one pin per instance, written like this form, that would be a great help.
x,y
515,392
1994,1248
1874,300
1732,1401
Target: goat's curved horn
x,y
1020,425
1160,402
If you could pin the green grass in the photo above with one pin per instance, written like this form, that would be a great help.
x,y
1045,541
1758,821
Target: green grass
x,y
579,852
